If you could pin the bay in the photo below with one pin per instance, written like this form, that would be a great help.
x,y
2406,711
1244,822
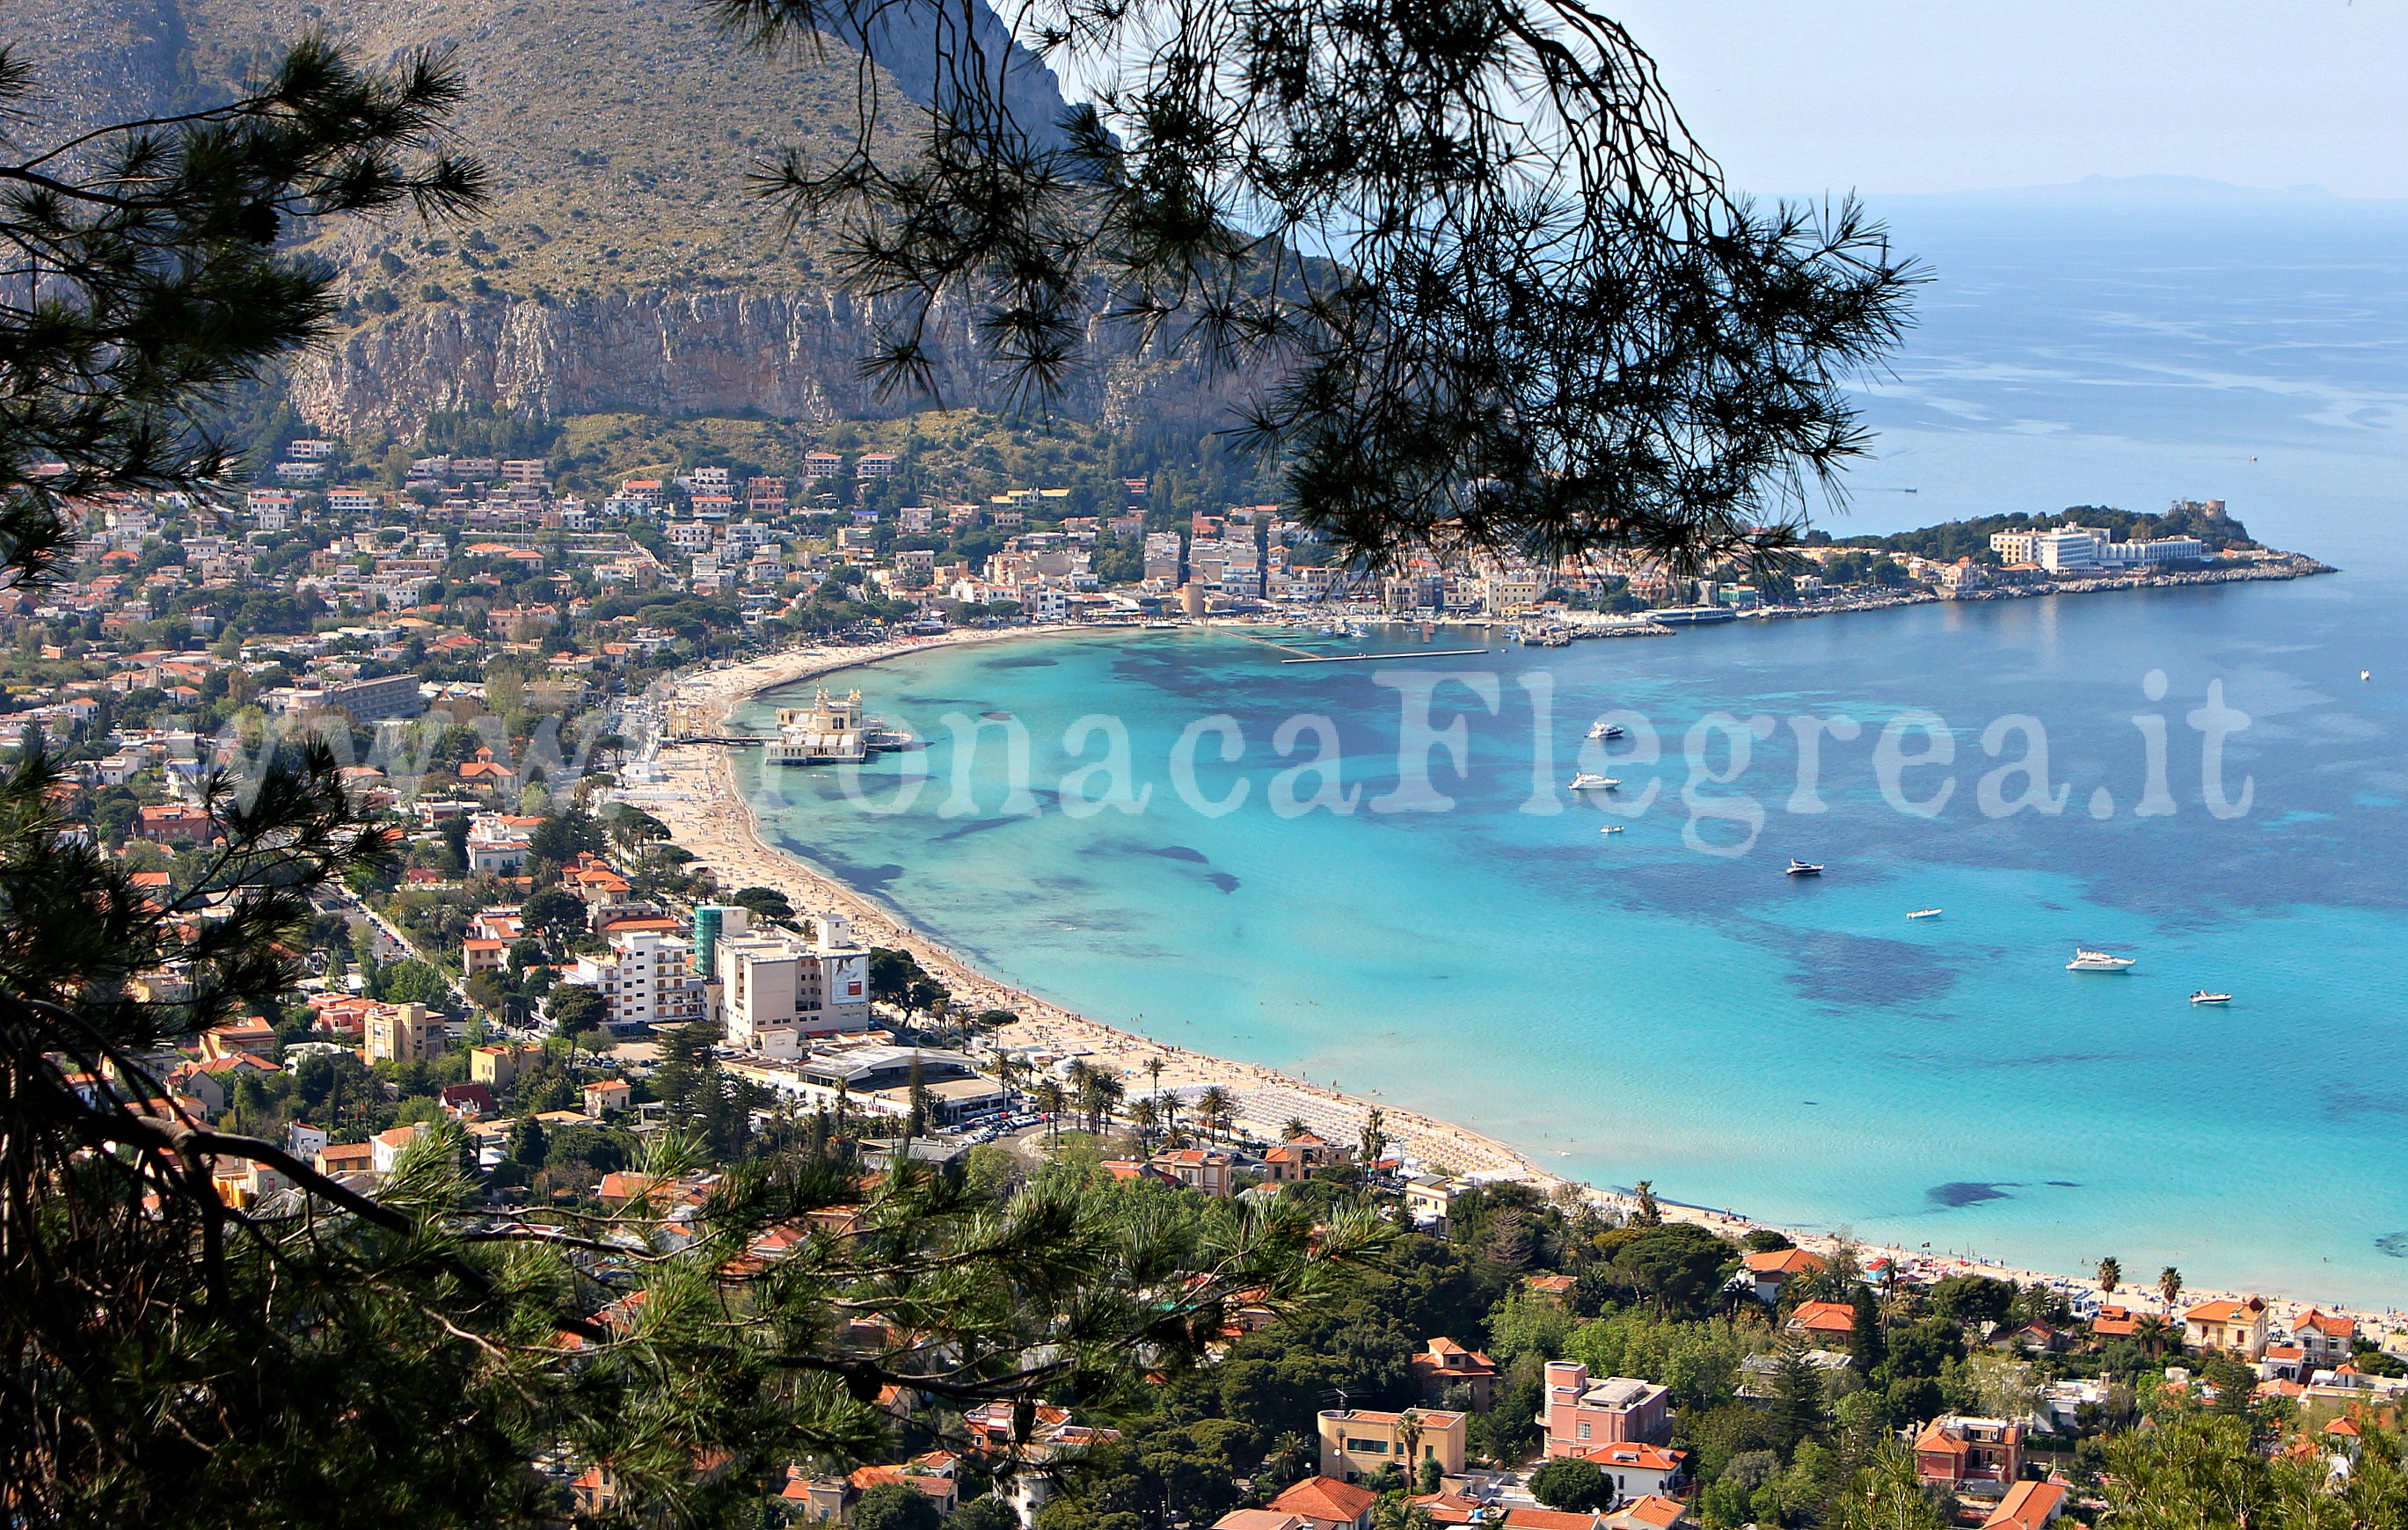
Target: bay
x,y
1642,1005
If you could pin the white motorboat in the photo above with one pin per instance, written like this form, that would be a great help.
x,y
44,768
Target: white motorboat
x,y
1606,730
1589,781
2204,997
1804,868
1613,828
1924,913
2085,959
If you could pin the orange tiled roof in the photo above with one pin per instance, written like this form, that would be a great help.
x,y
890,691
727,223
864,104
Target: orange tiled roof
x,y
1326,1498
1824,1317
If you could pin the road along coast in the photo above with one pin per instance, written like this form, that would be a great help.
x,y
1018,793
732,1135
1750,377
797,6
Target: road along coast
x,y
699,796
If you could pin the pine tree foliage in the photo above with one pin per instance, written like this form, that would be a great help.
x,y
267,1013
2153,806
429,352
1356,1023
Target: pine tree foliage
x,y
1486,290
140,281
198,1327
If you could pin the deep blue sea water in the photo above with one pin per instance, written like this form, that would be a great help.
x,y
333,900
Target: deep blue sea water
x,y
1648,1005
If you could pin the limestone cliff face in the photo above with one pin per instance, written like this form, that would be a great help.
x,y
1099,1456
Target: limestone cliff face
x,y
788,353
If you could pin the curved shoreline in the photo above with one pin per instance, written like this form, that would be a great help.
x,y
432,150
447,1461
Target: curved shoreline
x,y
700,800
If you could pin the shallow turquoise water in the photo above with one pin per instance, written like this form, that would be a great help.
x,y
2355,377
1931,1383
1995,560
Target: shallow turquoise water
x,y
1798,1049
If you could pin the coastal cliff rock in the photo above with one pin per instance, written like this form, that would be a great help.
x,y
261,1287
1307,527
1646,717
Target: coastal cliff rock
x,y
624,261
785,353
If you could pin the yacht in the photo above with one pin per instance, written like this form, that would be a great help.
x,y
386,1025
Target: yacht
x,y
1924,913
2204,997
1589,781
2085,959
1804,868
1605,730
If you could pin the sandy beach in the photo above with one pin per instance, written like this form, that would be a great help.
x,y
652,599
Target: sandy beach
x,y
698,798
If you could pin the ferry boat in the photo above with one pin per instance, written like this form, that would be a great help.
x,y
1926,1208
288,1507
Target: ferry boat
x,y
1692,615
1606,730
2204,997
1924,913
1804,868
1589,781
2085,959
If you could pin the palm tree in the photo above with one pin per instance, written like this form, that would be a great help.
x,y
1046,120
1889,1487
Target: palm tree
x,y
2170,1287
2111,1275
2151,1331
1051,1097
1097,1095
1409,1434
1213,1105
1145,1116
1293,1129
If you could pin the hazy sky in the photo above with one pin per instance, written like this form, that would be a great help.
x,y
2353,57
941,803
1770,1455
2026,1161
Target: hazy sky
x,y
1939,95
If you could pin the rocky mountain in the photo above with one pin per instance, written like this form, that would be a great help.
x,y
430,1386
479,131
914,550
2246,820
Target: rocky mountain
x,y
625,262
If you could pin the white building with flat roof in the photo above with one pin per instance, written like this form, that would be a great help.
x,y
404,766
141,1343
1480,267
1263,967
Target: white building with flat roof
x,y
779,990
646,977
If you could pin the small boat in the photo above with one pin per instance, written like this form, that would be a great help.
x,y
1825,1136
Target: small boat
x,y
2366,674
1613,828
1924,913
1606,730
1804,868
1589,781
2098,960
2204,997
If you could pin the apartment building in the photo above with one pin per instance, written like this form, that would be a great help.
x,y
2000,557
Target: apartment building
x,y
781,989
646,977
403,1032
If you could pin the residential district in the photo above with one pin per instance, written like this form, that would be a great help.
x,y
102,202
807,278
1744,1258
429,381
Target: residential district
x,y
550,988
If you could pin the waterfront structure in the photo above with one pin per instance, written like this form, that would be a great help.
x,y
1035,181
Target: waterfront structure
x,y
2071,549
1619,1411
870,1079
1358,1442
779,990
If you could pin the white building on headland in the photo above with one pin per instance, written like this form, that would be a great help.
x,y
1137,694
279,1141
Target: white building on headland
x,y
781,990
2069,549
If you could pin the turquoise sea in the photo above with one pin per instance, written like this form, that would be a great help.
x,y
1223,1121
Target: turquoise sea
x,y
1650,1004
